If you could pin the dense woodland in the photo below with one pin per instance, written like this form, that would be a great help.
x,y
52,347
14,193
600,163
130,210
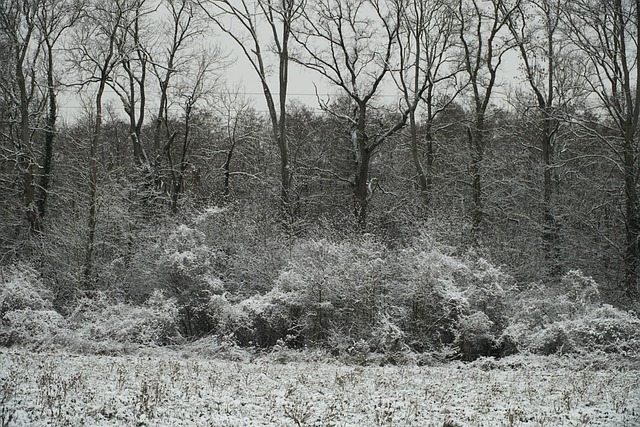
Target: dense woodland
x,y
421,202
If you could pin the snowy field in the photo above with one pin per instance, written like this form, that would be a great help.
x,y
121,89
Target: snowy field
x,y
170,389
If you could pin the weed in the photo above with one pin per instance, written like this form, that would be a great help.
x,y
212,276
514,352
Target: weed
x,y
298,410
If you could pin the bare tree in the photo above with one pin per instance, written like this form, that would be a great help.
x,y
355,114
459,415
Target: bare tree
x,y
426,43
243,22
233,107
546,65
132,46
607,33
54,18
172,56
485,39
95,54
194,87
18,24
351,44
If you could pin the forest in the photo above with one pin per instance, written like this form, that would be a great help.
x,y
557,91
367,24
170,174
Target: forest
x,y
421,204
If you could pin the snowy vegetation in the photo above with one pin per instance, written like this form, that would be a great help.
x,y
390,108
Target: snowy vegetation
x,y
359,299
187,388
449,236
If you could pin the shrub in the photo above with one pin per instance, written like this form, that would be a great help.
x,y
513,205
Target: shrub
x,y
22,290
32,326
340,286
474,338
426,289
186,271
553,339
361,291
607,329
570,320
154,323
581,289
487,291
387,337
263,320
26,310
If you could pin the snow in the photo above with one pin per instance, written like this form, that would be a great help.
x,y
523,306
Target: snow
x,y
167,388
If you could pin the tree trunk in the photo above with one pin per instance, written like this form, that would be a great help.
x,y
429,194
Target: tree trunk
x,y
430,161
632,254
415,154
25,161
49,136
93,193
476,137
362,156
226,190
362,191
178,179
550,228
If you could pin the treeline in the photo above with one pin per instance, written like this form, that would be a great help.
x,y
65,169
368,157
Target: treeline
x,y
542,181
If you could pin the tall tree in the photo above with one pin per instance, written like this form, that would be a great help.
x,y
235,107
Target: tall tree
x,y
54,18
194,87
173,55
546,59
485,39
607,32
132,48
242,21
233,107
351,44
426,43
18,24
95,54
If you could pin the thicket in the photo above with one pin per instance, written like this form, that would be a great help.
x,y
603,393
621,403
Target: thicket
x,y
356,297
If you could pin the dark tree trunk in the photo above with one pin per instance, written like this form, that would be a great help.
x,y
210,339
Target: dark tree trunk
x,y
49,137
476,138
226,189
423,180
632,254
362,190
93,193
550,226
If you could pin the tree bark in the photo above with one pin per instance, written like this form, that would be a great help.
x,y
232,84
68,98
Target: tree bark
x,y
49,135
476,137
92,219
632,234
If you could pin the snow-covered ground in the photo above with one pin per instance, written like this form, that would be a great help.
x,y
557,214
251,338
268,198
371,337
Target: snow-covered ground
x,y
170,389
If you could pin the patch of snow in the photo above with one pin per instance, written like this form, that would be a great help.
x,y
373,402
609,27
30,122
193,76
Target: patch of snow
x,y
167,389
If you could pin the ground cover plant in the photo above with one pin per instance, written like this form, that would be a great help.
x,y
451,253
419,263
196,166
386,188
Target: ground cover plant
x,y
184,388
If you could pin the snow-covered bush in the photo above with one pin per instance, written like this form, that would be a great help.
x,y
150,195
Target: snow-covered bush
x,y
387,337
487,290
474,337
32,327
26,310
604,328
553,339
580,289
187,272
22,289
153,323
536,305
361,291
342,286
426,290
263,320
569,318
